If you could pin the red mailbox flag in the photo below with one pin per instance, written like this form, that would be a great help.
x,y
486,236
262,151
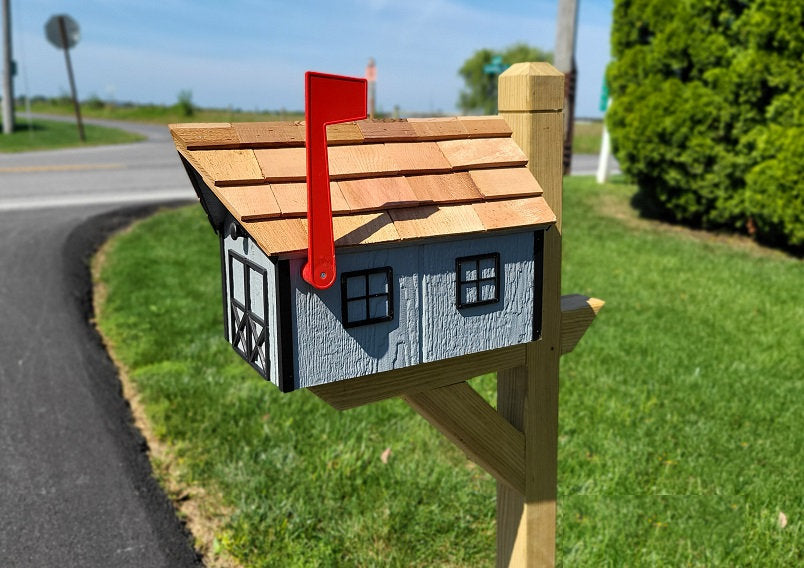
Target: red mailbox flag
x,y
328,99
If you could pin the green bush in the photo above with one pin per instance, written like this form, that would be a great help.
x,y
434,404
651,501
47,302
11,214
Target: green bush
x,y
708,112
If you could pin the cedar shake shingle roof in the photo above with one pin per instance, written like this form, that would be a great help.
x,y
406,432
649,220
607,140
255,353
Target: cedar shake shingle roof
x,y
389,180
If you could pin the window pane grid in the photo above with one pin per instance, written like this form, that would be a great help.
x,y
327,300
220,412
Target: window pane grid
x,y
472,277
357,309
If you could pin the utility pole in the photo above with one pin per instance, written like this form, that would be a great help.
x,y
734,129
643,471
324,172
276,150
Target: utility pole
x,y
566,26
8,71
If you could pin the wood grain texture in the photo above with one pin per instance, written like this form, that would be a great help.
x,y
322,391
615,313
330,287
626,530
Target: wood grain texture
x,y
352,230
526,87
283,164
482,153
386,130
418,157
446,128
204,135
527,523
577,314
250,202
485,126
505,182
466,419
270,134
229,167
292,199
541,137
344,133
279,235
372,194
356,392
430,220
445,188
528,211
367,160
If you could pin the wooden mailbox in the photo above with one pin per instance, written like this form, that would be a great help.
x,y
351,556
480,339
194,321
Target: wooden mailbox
x,y
447,237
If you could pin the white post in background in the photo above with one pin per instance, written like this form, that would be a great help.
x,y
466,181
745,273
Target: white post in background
x,y
603,164
8,81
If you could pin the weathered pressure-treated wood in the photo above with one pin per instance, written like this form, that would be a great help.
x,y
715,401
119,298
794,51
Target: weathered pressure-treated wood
x,y
527,522
464,417
577,314
530,87
352,393
482,153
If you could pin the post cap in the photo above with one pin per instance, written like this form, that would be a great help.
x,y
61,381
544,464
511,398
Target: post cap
x,y
525,87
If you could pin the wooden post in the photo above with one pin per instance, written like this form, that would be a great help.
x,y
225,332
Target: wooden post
x,y
531,99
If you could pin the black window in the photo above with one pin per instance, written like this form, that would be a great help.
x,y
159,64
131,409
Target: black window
x,y
248,283
477,280
367,296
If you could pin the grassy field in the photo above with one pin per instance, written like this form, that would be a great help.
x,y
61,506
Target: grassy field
x,y
586,139
161,114
51,134
680,411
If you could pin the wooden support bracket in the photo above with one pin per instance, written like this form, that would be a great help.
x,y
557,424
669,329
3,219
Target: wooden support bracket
x,y
469,422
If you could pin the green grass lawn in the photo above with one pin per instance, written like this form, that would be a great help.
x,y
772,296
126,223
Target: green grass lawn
x,y
680,410
586,137
51,134
162,114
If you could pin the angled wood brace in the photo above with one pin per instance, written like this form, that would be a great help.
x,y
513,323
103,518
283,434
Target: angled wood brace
x,y
439,392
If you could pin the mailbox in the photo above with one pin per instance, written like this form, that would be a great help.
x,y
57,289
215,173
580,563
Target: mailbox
x,y
437,226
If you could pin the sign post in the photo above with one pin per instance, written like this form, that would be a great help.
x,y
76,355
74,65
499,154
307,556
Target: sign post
x,y
63,32
605,144
371,77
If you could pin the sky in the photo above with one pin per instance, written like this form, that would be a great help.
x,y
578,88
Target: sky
x,y
252,54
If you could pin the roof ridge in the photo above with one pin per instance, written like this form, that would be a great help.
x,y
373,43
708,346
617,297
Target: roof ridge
x,y
276,134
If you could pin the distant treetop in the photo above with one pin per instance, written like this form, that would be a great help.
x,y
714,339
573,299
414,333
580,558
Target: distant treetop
x,y
480,93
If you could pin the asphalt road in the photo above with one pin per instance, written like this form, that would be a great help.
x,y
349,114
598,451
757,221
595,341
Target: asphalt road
x,y
75,483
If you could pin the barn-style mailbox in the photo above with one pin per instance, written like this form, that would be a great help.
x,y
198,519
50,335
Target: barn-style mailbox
x,y
438,229
402,258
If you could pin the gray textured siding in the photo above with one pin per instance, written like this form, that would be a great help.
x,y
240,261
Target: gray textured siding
x,y
426,325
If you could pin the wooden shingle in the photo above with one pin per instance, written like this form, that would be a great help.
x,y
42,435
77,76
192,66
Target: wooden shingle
x,y
378,193
282,164
229,167
450,188
482,153
505,182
